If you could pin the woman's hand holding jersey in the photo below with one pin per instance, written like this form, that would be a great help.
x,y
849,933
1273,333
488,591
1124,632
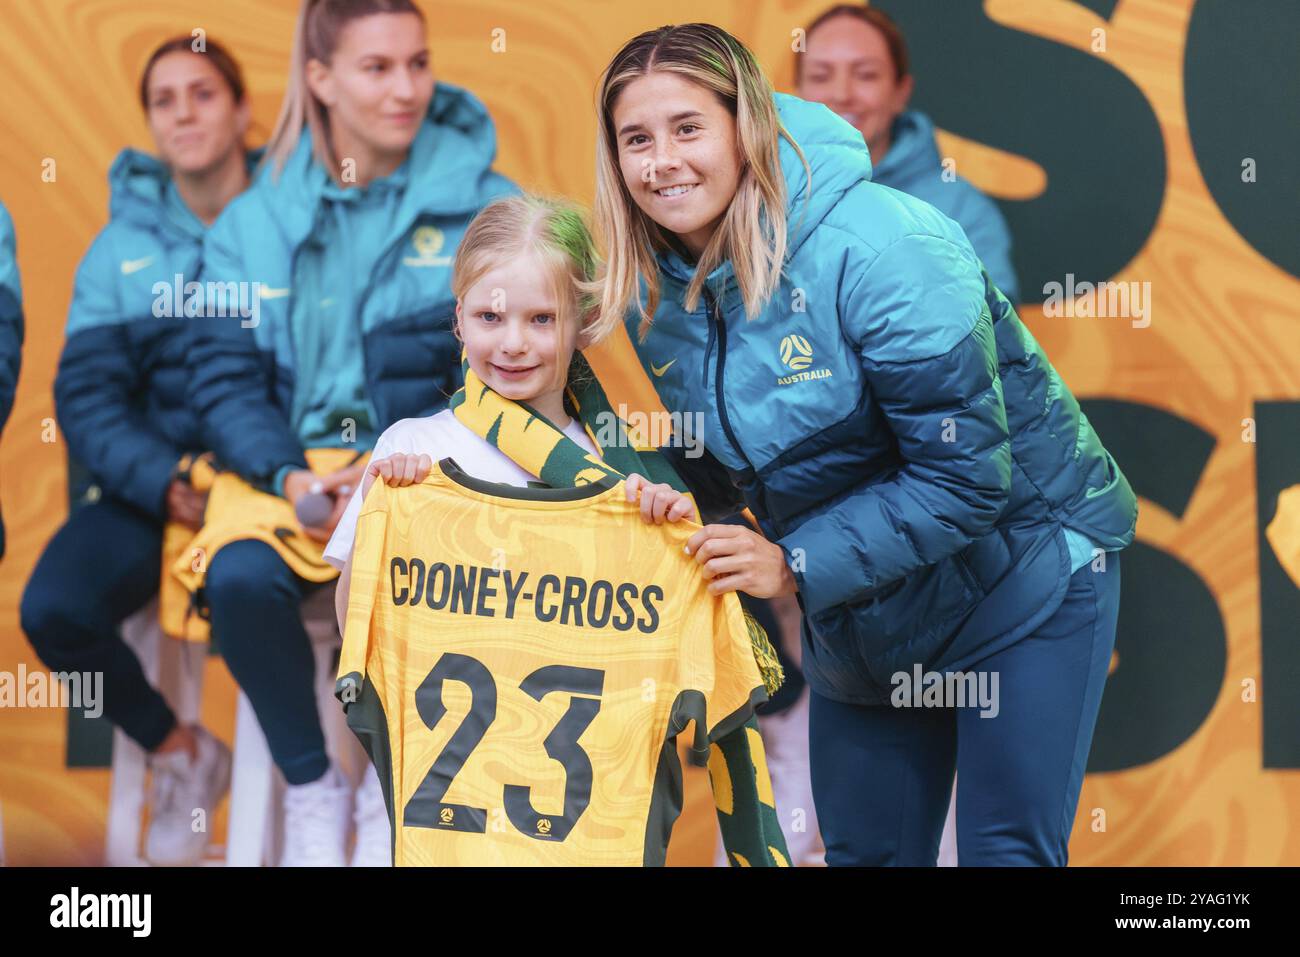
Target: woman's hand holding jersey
x,y
735,558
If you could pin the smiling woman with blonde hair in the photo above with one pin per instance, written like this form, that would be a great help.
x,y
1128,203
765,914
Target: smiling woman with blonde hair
x,y
926,484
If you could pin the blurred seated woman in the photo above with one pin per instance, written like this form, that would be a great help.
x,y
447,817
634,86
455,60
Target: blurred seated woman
x,y
120,398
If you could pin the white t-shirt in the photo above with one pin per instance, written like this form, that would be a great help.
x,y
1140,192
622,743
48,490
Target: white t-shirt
x,y
440,436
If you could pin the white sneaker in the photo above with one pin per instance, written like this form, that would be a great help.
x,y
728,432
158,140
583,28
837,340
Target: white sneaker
x,y
374,846
181,785
316,821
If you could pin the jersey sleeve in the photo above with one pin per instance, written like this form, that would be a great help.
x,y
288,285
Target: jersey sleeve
x,y
367,566
362,701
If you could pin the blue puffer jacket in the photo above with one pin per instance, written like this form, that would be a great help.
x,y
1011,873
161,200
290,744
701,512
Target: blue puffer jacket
x,y
11,326
912,165
120,388
242,375
891,423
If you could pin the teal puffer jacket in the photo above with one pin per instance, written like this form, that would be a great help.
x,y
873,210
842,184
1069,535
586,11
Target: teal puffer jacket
x,y
891,423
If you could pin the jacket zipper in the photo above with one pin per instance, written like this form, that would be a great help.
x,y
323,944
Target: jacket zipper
x,y
708,345
717,323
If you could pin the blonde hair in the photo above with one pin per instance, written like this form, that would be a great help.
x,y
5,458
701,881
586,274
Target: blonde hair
x,y
316,37
752,234
553,230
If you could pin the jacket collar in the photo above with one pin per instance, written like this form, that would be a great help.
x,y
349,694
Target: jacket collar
x,y
138,186
912,150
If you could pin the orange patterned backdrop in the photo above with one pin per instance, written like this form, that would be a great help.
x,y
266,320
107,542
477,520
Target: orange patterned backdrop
x,y
70,69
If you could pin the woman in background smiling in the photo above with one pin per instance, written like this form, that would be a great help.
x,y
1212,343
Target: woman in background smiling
x,y
856,63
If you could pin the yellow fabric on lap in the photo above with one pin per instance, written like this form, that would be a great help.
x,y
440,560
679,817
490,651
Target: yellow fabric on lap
x,y
237,512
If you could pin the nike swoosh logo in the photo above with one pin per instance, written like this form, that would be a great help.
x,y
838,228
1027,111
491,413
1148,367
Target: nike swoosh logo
x,y
660,370
135,265
270,292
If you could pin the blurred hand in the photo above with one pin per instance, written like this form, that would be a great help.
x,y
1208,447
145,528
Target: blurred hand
x,y
184,505
297,484
337,485
343,482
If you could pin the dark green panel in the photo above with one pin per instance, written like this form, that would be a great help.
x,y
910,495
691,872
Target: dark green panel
x,y
1161,454
1241,80
1277,467
1171,640
1172,651
1083,121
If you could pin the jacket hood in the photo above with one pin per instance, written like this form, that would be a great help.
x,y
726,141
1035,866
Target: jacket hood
x,y
913,152
450,166
138,184
837,158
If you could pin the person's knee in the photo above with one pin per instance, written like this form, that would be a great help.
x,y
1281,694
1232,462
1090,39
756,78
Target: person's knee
x,y
1020,825
51,619
244,575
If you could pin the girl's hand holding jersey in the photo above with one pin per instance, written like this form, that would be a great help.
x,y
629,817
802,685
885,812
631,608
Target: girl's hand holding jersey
x,y
397,470
659,502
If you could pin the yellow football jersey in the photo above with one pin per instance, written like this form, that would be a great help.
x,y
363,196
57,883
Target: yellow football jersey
x,y
518,663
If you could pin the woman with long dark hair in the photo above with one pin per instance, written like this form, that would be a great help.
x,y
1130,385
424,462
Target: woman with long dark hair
x,y
120,396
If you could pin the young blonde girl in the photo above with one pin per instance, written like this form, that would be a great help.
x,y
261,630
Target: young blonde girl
x,y
526,302
522,280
